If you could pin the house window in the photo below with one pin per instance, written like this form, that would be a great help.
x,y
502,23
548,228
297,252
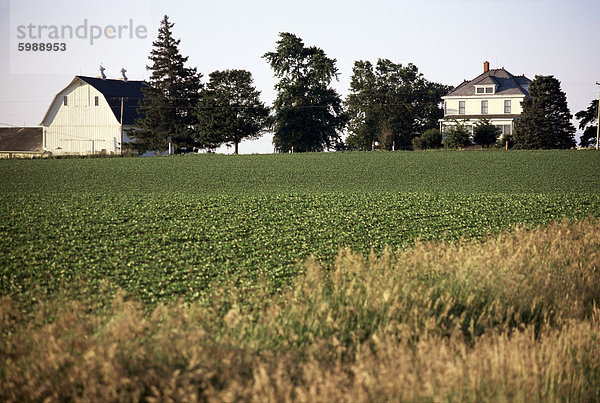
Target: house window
x,y
484,107
445,108
96,101
505,130
480,90
461,107
507,106
65,100
489,90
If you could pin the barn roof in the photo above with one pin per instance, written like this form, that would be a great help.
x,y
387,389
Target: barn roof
x,y
506,84
21,139
114,90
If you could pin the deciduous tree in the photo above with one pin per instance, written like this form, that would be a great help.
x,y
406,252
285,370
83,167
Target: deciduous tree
x,y
308,112
230,110
391,103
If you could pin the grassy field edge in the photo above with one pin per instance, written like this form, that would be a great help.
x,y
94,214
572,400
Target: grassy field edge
x,y
513,317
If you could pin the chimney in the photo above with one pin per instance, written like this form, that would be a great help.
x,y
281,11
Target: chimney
x,y
486,66
123,76
101,75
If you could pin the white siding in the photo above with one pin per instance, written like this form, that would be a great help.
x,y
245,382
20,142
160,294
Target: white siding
x,y
80,127
495,105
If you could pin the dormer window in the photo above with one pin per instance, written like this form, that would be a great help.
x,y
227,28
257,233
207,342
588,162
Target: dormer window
x,y
485,89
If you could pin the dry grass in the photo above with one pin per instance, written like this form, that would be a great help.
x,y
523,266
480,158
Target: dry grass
x,y
511,318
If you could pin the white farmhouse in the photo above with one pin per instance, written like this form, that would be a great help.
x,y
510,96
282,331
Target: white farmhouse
x,y
495,95
91,115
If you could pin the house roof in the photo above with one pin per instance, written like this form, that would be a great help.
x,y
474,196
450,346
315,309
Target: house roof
x,y
114,90
506,84
21,139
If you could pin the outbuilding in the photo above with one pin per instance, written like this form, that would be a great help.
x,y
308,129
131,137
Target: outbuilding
x,y
91,115
21,142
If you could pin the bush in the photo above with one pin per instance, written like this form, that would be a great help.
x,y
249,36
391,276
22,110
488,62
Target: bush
x,y
457,137
432,138
418,143
485,134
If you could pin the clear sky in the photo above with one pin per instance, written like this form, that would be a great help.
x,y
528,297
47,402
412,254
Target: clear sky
x,y
448,40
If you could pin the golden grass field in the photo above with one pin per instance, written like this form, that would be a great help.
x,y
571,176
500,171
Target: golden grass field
x,y
511,318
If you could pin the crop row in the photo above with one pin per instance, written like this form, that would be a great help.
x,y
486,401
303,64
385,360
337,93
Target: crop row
x,y
442,172
161,247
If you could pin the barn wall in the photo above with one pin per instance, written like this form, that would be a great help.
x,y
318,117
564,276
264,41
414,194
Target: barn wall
x,y
81,127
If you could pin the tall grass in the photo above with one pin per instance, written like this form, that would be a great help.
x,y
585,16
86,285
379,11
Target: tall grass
x,y
515,317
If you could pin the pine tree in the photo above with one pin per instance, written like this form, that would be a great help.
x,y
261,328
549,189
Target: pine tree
x,y
230,110
588,122
167,108
546,119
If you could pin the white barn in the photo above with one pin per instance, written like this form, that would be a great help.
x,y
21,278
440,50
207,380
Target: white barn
x,y
91,115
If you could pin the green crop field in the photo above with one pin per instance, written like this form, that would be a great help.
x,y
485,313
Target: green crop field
x,y
163,228
408,276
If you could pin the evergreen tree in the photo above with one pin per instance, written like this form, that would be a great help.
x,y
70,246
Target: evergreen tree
x,y
230,110
391,103
308,112
485,134
167,108
546,120
587,118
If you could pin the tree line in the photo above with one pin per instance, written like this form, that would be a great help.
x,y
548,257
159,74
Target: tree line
x,y
389,105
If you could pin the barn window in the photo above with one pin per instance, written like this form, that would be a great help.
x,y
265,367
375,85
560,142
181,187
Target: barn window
x,y
65,100
96,101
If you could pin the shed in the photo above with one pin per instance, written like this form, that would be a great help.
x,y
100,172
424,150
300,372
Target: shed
x,y
21,142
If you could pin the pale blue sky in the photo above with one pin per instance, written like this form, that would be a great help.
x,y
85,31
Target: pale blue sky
x,y
447,39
